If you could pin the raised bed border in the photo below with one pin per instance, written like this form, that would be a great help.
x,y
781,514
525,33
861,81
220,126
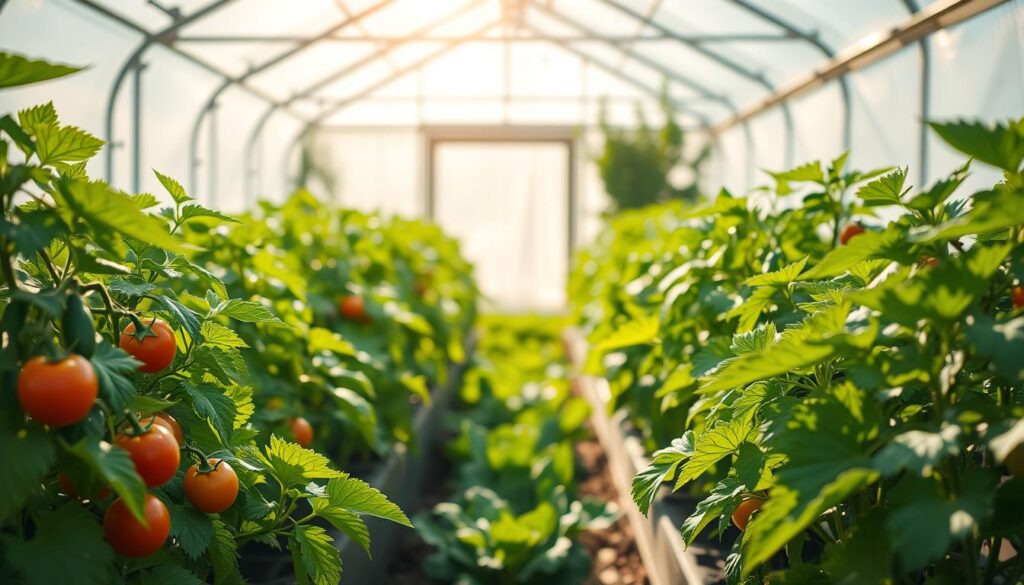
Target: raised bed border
x,y
657,534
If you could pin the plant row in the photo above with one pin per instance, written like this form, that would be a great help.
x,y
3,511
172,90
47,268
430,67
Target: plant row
x,y
164,369
515,514
834,365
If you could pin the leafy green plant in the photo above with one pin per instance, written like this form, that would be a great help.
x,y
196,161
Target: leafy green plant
x,y
98,337
635,164
515,516
849,400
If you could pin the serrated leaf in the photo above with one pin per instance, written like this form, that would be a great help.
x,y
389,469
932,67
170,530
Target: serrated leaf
x,y
114,465
638,331
205,276
84,556
217,335
113,212
223,552
28,455
753,341
726,495
358,496
885,190
17,70
663,464
196,211
246,311
293,465
226,365
192,528
348,523
64,144
779,278
170,574
712,446
211,403
130,286
889,245
113,367
321,339
917,451
173,187
241,396
33,231
182,315
320,560
1000,145
36,116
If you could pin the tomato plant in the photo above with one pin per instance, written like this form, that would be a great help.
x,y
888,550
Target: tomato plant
x,y
110,365
869,386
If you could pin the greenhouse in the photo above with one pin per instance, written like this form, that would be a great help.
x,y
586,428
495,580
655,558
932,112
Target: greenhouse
x,y
512,292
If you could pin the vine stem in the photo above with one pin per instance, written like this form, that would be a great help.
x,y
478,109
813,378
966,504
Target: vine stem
x,y
50,267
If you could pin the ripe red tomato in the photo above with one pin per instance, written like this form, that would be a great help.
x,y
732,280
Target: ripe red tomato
x,y
131,538
850,231
213,491
58,393
302,431
1018,297
1015,461
354,309
69,488
155,454
155,353
743,512
168,422
929,261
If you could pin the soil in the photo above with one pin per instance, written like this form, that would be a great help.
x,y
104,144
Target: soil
x,y
614,552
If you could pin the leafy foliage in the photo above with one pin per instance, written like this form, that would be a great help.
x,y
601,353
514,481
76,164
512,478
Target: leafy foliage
x,y
869,393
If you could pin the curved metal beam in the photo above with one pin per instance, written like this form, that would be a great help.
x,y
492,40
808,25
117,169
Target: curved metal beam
x,y
815,40
228,82
926,92
722,60
164,36
343,72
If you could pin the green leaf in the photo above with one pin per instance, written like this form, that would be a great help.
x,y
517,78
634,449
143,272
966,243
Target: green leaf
x,y
998,210
170,574
113,367
195,211
348,523
28,455
750,310
638,331
889,244
211,403
358,496
17,70
663,464
1000,145
227,365
241,397
779,278
34,117
712,446
245,311
753,341
885,190
359,411
223,552
788,512
924,524
67,547
808,172
321,339
113,212
114,465
130,286
294,466
193,529
725,496
65,144
182,315
1003,343
917,451
321,562
173,187
33,231
217,335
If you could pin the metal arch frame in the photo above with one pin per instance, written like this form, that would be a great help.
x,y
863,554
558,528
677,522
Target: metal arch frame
x,y
829,52
228,82
703,91
254,136
167,39
924,47
617,39
725,62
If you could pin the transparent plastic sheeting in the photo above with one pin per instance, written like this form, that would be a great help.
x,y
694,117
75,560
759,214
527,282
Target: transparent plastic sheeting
x,y
401,75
